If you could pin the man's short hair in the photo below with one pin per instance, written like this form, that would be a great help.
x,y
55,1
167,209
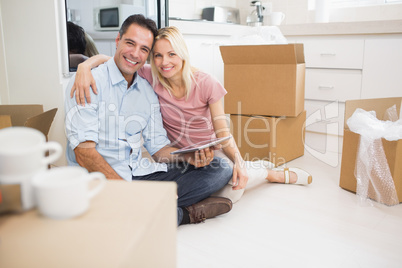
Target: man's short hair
x,y
140,20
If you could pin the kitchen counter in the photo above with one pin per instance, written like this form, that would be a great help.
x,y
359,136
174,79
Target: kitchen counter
x,y
229,29
208,27
186,27
343,28
332,28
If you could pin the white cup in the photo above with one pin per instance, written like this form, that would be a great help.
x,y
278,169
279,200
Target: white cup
x,y
22,151
63,193
276,18
22,155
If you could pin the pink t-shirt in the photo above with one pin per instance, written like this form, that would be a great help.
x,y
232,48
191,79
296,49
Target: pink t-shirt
x,y
188,121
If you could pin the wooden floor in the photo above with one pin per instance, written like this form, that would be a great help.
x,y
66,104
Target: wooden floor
x,y
276,225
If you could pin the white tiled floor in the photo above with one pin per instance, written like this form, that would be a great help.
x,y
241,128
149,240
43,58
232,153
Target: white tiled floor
x,y
276,225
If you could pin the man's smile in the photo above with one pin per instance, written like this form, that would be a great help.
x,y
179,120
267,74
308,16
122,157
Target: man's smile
x,y
130,61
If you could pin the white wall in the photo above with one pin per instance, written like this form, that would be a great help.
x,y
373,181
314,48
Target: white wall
x,y
296,11
4,98
32,57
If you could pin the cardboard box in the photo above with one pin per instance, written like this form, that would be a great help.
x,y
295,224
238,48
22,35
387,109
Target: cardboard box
x,y
264,79
5,121
27,115
276,139
393,149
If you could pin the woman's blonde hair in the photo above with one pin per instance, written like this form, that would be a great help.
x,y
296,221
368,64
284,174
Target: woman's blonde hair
x,y
173,35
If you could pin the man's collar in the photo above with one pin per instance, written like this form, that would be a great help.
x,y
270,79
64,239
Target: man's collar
x,y
115,74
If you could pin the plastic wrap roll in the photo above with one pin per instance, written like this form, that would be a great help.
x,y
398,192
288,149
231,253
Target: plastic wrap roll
x,y
373,176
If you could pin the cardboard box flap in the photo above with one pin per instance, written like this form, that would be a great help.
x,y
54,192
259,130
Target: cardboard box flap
x,y
42,122
5,121
20,113
378,105
259,54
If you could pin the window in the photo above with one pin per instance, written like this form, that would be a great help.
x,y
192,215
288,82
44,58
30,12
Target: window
x,y
357,3
352,3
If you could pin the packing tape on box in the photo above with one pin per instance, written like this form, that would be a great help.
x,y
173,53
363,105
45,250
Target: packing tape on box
x,y
11,200
373,176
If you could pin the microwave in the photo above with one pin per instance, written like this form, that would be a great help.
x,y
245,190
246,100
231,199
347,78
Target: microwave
x,y
112,17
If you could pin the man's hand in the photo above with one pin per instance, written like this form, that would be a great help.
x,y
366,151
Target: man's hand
x,y
88,157
200,158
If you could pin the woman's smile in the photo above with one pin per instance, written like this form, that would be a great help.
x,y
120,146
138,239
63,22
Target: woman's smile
x,y
166,69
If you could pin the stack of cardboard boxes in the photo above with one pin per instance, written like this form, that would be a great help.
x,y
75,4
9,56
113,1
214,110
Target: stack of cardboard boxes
x,y
265,100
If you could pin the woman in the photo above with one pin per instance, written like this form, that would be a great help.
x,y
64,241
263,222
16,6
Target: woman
x,y
192,109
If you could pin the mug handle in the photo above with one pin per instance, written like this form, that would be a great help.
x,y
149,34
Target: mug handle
x,y
283,17
96,176
55,151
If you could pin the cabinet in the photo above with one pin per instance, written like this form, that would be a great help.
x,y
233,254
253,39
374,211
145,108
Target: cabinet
x,y
106,47
382,76
203,40
205,54
333,74
345,67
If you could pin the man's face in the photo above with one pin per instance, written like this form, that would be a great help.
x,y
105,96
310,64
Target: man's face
x,y
132,50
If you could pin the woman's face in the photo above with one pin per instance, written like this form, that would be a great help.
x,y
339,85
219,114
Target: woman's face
x,y
168,63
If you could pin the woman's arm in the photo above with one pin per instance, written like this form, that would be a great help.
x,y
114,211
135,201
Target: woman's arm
x,y
229,147
84,79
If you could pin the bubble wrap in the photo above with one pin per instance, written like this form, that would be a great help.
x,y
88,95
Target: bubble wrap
x,y
373,176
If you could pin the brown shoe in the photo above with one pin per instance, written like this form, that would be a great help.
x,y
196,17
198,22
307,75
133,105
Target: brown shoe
x,y
209,208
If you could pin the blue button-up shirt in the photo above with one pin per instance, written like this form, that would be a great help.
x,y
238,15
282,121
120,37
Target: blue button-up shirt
x,y
118,120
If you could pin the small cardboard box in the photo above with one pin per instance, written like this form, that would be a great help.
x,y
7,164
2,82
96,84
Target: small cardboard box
x,y
5,121
264,79
276,139
27,115
393,149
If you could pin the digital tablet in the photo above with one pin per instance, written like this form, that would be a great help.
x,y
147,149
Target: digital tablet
x,y
201,145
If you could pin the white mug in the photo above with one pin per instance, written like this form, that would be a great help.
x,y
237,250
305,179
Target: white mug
x,y
22,155
22,151
63,193
276,18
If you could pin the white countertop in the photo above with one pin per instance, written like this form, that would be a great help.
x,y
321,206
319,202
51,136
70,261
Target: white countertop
x,y
332,28
226,29
186,27
343,28
207,27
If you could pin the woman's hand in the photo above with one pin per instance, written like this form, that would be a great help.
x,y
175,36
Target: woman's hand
x,y
82,84
240,177
200,158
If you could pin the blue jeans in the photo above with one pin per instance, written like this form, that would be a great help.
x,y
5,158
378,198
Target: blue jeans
x,y
193,184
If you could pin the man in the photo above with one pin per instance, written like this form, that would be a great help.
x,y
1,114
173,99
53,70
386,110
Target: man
x,y
106,135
